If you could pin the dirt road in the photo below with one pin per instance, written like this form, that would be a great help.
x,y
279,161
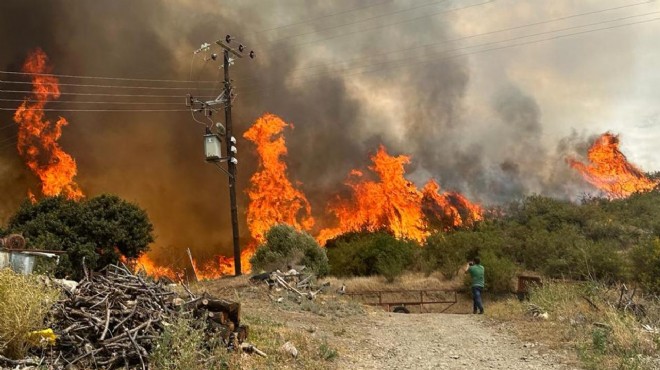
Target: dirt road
x,y
440,341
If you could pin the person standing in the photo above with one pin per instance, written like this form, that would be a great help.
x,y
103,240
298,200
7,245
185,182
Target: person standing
x,y
476,271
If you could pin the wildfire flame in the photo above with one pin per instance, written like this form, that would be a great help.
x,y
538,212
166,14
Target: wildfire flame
x,y
609,170
38,136
145,263
449,209
273,198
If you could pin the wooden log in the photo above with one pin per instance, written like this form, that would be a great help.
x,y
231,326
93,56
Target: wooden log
x,y
233,309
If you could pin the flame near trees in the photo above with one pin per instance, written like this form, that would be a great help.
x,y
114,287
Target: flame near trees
x,y
273,198
449,210
392,203
38,136
395,204
609,170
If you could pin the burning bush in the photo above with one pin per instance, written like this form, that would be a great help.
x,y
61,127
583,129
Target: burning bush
x,y
285,246
99,229
364,254
24,304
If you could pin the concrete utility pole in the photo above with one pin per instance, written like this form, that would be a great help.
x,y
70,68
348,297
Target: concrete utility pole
x,y
212,141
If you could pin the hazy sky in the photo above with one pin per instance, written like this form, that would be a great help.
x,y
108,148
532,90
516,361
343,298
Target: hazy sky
x,y
415,76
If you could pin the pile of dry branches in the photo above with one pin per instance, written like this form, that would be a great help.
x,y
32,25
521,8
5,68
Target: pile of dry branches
x,y
113,318
300,284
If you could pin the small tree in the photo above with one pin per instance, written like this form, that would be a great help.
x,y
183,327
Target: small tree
x,y
99,230
364,254
285,246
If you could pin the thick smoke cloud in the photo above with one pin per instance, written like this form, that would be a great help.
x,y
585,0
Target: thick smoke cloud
x,y
494,144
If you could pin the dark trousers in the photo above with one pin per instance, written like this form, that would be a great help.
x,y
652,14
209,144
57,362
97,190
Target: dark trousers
x,y
476,299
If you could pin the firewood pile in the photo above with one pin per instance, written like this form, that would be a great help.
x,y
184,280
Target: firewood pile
x,y
113,318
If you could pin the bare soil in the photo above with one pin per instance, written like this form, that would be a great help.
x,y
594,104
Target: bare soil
x,y
441,341
369,338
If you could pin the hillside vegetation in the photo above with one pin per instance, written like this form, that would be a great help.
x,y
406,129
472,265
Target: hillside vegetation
x,y
597,239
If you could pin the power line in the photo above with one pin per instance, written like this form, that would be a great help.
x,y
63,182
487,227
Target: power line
x,y
478,51
103,86
311,75
398,51
98,110
319,66
89,102
100,94
405,59
324,16
377,27
103,78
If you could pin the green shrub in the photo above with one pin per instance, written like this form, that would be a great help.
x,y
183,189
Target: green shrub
x,y
24,304
646,263
98,229
364,254
285,246
180,346
449,252
498,272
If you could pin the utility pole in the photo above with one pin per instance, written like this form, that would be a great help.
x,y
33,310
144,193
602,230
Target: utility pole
x,y
212,141
231,166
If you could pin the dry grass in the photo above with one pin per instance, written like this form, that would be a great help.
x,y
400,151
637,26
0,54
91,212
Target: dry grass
x,y
24,304
602,337
271,324
407,281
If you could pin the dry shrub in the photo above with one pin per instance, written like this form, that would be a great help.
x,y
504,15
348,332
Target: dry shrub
x,y
24,304
603,337
407,281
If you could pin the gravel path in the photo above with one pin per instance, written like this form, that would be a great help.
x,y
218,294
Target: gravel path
x,y
440,341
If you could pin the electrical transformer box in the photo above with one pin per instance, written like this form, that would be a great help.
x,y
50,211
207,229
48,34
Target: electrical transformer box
x,y
212,148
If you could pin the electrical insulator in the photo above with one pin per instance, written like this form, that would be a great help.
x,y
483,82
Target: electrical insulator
x,y
233,140
234,160
233,149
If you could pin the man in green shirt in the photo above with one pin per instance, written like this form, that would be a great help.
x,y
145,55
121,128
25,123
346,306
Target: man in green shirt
x,y
476,272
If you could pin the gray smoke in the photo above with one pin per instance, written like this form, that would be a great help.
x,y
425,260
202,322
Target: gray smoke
x,y
341,111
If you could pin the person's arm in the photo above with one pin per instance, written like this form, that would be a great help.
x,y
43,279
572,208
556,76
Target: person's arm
x,y
467,267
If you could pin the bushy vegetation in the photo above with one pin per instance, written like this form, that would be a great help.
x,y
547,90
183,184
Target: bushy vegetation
x,y
585,316
364,254
595,239
97,229
24,304
646,262
183,346
286,246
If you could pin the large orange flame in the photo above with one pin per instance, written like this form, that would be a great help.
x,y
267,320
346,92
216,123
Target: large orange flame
x,y
395,204
609,170
38,136
392,203
273,198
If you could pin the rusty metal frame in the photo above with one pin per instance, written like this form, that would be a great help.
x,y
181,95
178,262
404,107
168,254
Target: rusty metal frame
x,y
420,303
